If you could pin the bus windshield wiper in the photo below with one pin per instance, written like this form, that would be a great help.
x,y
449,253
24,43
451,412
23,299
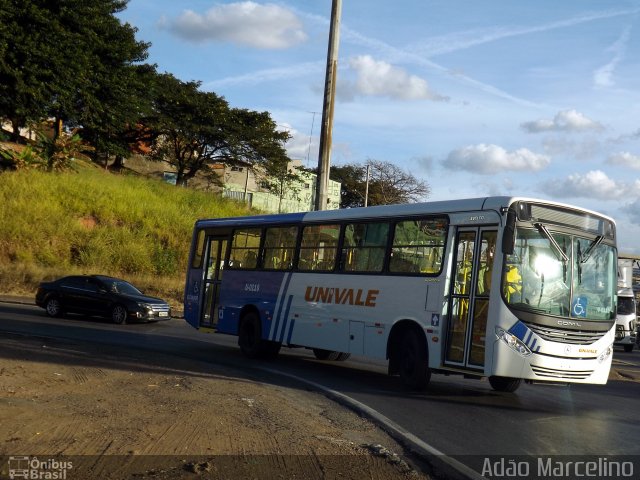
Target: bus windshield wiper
x,y
596,241
543,230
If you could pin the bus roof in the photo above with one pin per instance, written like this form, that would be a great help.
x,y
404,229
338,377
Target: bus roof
x,y
386,211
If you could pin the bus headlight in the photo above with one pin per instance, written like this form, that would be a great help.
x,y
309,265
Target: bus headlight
x,y
514,342
606,354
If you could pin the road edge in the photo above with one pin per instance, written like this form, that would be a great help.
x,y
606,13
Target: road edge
x,y
443,465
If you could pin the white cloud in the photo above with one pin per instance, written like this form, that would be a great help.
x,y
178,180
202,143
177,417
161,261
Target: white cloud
x,y
625,159
378,78
489,159
266,26
594,184
561,145
626,137
564,121
426,163
300,146
603,76
633,210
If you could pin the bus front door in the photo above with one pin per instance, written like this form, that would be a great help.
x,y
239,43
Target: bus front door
x,y
469,298
216,250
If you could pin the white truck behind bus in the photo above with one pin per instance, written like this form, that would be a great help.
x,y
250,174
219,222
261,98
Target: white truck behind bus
x,y
626,313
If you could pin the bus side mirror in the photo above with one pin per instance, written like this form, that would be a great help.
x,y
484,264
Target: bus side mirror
x,y
509,235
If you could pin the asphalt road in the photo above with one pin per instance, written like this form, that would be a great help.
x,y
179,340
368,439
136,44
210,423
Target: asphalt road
x,y
462,418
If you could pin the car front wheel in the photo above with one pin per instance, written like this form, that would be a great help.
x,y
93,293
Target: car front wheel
x,y
119,315
53,307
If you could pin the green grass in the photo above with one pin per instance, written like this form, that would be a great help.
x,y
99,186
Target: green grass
x,y
92,221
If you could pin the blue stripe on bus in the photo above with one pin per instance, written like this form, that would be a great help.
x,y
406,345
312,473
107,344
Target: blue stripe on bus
x,y
533,345
519,329
286,318
526,342
293,322
279,304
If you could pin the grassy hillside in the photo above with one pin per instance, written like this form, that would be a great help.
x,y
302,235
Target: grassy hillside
x,y
92,221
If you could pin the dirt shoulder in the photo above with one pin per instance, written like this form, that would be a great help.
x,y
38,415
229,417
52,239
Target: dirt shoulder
x,y
115,413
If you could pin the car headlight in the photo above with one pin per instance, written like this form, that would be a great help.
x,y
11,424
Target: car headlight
x,y
145,306
513,342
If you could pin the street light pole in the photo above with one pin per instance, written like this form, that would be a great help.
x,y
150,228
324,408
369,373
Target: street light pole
x,y
324,157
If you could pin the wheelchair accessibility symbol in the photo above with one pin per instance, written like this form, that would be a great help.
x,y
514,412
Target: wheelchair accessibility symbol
x,y
579,307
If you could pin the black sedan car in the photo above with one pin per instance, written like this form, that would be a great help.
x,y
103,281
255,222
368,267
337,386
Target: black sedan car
x,y
101,296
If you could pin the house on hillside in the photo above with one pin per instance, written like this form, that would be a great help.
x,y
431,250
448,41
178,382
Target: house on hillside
x,y
243,183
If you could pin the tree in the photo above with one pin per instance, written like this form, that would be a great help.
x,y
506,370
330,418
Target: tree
x,y
192,130
25,70
352,178
388,184
102,86
70,59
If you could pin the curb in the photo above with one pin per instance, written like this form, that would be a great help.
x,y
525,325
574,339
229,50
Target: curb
x,y
17,300
20,300
443,466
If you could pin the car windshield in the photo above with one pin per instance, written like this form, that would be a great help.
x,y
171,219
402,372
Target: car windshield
x,y
559,274
120,286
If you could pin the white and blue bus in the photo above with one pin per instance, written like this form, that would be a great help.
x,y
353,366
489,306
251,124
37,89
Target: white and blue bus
x,y
506,288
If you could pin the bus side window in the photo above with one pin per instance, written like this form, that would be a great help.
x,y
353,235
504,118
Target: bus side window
x,y
199,251
418,246
279,247
364,247
245,248
318,249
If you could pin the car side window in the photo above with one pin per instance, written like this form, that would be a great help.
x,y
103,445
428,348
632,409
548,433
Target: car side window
x,y
92,286
72,282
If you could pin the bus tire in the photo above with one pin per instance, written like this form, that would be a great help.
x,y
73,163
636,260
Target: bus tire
x,y
322,354
413,361
504,384
628,348
343,356
271,349
250,339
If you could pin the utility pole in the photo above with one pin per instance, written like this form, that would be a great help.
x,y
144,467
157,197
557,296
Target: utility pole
x,y
324,157
366,188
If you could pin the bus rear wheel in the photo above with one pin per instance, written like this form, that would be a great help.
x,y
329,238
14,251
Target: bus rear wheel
x,y
413,361
504,384
250,339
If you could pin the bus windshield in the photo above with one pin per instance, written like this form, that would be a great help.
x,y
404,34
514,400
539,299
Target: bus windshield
x,y
563,275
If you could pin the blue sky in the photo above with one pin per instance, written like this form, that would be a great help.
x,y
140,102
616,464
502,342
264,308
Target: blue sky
x,y
501,97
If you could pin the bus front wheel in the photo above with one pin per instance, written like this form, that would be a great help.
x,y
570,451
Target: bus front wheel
x,y
250,339
504,384
414,363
